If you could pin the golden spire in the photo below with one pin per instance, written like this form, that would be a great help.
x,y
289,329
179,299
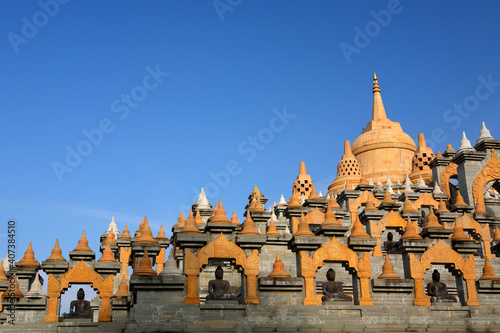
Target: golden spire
x,y
271,229
459,201
161,233
144,267
458,234
235,219
83,244
181,221
442,207
190,226
410,231
17,292
3,277
388,270
378,110
29,258
358,231
111,239
125,233
122,290
56,254
432,221
278,268
370,205
408,206
488,272
249,226
198,219
330,218
146,234
302,168
220,214
107,255
303,227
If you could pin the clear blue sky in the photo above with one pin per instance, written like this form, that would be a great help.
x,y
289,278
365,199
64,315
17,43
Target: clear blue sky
x,y
228,68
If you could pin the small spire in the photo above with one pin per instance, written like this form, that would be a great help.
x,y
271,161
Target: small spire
x,y
442,207
35,289
278,268
271,230
29,258
111,239
220,214
256,191
410,231
496,235
203,201
408,206
485,134
198,219
388,270
234,218
190,227
459,201
107,255
122,289
437,189
333,203
146,234
488,272
358,231
302,168
56,254
126,233
314,194
303,227
3,276
378,110
347,150
458,234
249,226
370,205
465,143
170,266
181,221
420,182
421,142
83,244
330,218
370,181
144,267
387,198
17,292
294,201
432,221
282,201
161,233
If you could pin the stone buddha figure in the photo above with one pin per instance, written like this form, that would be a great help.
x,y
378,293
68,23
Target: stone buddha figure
x,y
332,290
219,289
438,291
80,308
422,220
389,244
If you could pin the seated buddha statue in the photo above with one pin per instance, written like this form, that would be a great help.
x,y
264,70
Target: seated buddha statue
x,y
438,291
389,244
332,290
219,289
79,308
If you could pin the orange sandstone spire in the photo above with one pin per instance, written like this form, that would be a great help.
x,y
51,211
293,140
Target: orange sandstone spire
x,y
458,234
442,207
370,205
256,191
83,244
234,218
432,221
314,194
303,182
122,290
358,231
271,229
333,203
496,235
56,254
181,221
17,292
378,110
330,218
3,277
408,206
220,215
278,268
125,233
410,231
161,233
198,219
29,258
111,238
420,163
249,227
488,272
348,171
107,255
144,267
190,226
146,234
388,198
294,201
388,270
459,201
303,227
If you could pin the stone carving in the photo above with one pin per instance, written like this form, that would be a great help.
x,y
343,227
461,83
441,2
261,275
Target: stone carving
x,y
219,288
80,308
332,290
491,171
438,291
446,174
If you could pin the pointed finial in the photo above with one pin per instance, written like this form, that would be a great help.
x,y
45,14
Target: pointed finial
x,y
3,276
278,268
302,168
421,141
83,244
485,133
146,234
190,226
107,255
388,270
170,267
126,233
122,290
144,267
282,200
465,143
378,110
347,150
234,218
249,226
56,254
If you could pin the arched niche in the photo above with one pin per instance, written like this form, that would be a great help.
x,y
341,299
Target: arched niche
x,y
467,222
82,274
392,220
335,251
221,248
491,171
426,200
449,172
442,254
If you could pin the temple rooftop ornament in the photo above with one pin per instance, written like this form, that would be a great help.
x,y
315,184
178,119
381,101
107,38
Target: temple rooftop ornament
x,y
3,276
303,227
387,198
29,258
190,227
358,231
410,231
459,201
111,239
370,205
488,272
442,207
370,181
198,219
388,270
303,182
112,227
314,194
330,218
35,289
126,233
161,233
282,201
458,234
249,227
203,201
17,292
421,183
420,162
408,206
144,267
379,186
278,268
348,171
432,221
181,221
107,255
146,234
294,201
56,254
170,266
220,215
234,218
122,289
83,244
496,234
437,189
271,229
465,144
383,149
485,134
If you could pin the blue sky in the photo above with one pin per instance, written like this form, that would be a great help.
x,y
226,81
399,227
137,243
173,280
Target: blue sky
x,y
173,93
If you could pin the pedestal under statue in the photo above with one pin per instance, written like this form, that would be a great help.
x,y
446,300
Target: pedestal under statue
x,y
219,289
80,308
438,291
332,290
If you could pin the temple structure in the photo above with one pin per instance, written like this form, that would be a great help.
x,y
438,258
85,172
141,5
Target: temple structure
x,y
404,240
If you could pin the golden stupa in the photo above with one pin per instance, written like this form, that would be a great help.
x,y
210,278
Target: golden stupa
x,y
383,149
